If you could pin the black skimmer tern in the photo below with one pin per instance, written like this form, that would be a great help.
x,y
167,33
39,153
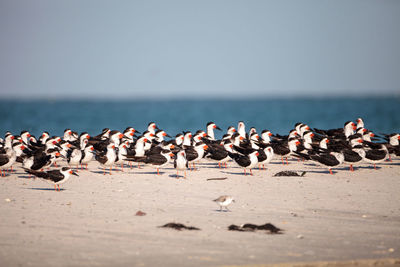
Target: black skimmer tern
x,y
158,160
245,161
230,131
121,155
375,153
9,158
284,149
39,160
181,163
43,138
138,149
328,158
107,157
241,129
265,156
195,153
210,130
87,156
219,152
360,123
25,135
55,177
74,156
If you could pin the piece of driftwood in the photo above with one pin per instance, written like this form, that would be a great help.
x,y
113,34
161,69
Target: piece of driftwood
x,y
249,227
222,178
179,226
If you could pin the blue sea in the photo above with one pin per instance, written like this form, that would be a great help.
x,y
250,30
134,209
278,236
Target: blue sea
x,y
174,116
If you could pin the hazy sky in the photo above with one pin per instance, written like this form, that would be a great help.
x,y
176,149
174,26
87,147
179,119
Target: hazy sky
x,y
202,48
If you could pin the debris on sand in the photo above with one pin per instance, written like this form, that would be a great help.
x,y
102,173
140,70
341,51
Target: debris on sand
x,y
289,173
140,213
215,179
248,227
179,226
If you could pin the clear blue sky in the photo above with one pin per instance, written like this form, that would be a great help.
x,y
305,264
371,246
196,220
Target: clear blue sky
x,y
130,49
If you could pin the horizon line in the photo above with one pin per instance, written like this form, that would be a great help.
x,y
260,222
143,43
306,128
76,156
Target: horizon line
x,y
196,98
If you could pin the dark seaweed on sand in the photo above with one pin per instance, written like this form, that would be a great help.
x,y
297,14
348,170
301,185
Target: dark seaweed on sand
x,y
179,226
248,227
289,173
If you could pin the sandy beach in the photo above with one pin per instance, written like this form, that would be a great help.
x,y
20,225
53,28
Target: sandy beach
x,y
349,218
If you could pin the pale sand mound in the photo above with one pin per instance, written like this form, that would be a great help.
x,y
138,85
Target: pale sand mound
x,y
92,222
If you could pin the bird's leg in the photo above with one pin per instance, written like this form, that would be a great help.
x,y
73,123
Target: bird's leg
x,y
110,169
244,171
283,161
58,187
219,165
55,164
55,187
122,167
177,174
330,171
390,158
226,165
11,168
184,173
259,166
264,167
251,172
158,172
351,167
194,166
86,166
374,166
287,163
138,165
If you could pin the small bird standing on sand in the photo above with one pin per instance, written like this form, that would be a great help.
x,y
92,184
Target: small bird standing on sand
x,y
224,201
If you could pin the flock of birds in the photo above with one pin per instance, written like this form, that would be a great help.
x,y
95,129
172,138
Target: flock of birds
x,y
348,145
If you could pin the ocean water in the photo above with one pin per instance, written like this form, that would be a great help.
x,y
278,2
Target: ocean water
x,y
277,115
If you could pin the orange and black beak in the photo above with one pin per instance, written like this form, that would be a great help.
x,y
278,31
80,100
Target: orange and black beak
x,y
73,173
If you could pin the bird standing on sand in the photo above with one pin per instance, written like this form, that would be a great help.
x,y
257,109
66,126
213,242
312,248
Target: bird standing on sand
x,y
181,163
107,157
55,177
224,201
246,161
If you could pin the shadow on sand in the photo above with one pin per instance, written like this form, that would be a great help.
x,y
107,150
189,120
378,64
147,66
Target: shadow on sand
x,y
45,189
